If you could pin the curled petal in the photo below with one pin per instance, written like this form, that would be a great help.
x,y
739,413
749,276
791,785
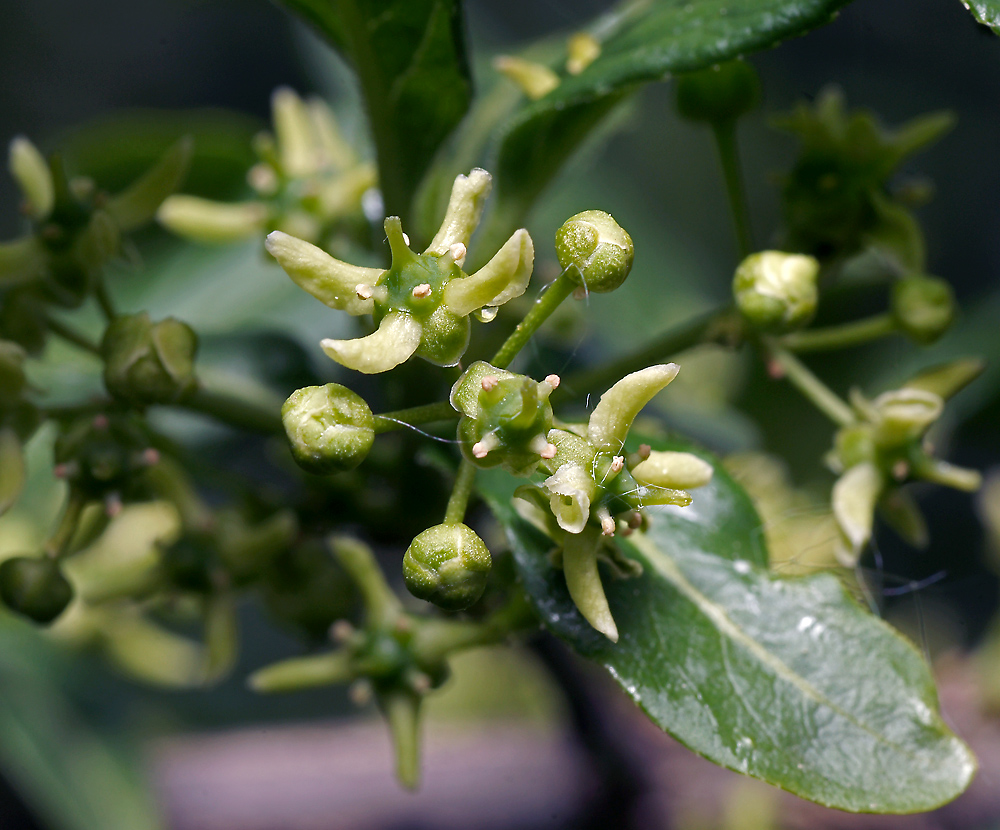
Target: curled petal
x,y
465,206
396,339
215,222
612,417
674,470
948,475
584,581
501,279
571,490
20,260
336,152
329,280
854,498
534,79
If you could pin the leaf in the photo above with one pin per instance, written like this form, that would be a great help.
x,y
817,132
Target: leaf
x,y
785,680
642,41
12,471
986,12
411,61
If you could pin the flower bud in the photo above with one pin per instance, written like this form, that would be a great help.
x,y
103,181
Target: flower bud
x,y
149,363
34,587
447,564
674,470
775,291
330,428
102,455
924,307
718,94
595,250
534,79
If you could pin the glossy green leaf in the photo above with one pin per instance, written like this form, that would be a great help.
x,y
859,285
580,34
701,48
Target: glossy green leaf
x,y
986,12
412,65
12,471
642,41
786,680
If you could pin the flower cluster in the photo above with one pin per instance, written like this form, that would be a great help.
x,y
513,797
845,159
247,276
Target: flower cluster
x,y
307,182
422,302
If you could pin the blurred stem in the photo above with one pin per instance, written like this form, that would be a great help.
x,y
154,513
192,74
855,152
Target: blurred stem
x,y
388,421
58,544
460,493
840,337
104,300
540,312
802,378
729,157
700,329
235,409
71,335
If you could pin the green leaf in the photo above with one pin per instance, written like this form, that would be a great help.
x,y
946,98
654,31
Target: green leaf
x,y
642,41
986,12
786,680
411,61
12,472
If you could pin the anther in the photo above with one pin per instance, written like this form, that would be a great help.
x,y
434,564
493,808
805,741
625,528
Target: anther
x,y
617,463
421,291
458,252
645,451
100,422
341,631
900,470
406,239
490,383
150,457
553,381
482,448
363,291
360,693
549,451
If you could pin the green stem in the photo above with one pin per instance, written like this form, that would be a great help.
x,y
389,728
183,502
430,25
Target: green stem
x,y
104,300
58,544
818,393
235,409
840,337
388,421
684,336
540,312
460,493
71,335
402,711
729,157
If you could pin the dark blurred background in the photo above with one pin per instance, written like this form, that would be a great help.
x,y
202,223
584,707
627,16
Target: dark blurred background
x,y
66,65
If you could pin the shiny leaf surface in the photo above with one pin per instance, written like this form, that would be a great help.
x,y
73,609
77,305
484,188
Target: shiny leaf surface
x,y
640,42
785,680
985,11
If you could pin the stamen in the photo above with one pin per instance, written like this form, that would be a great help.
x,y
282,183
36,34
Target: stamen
x,y
549,451
421,291
363,291
406,239
645,451
490,382
617,463
482,448
553,381
900,470
458,252
341,631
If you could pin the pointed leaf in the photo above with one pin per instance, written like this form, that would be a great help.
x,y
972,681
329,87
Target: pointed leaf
x,y
785,680
412,65
640,42
986,12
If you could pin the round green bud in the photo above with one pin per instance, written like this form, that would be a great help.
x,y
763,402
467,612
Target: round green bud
x,y
102,454
447,564
34,587
719,93
330,429
776,292
149,363
924,307
600,249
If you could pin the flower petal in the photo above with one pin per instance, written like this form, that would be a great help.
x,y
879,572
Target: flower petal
x,y
584,581
501,279
396,339
674,470
214,222
465,206
612,417
854,498
329,280
571,490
